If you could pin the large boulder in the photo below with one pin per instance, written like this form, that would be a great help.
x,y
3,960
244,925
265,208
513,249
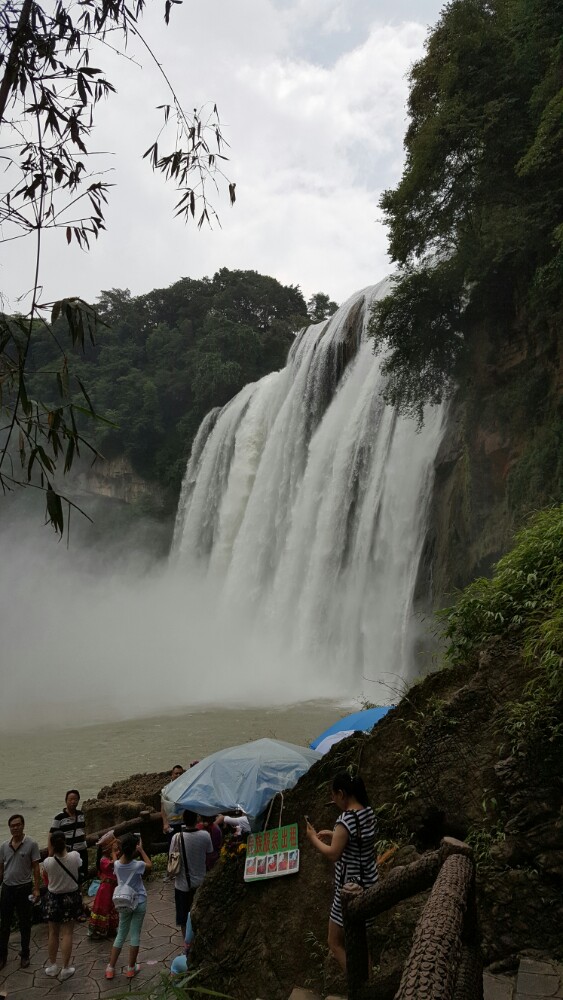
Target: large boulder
x,y
124,800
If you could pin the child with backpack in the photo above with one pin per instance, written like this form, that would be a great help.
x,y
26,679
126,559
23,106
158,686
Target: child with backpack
x,y
130,901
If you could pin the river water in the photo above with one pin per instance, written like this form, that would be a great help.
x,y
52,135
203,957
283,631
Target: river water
x,y
38,766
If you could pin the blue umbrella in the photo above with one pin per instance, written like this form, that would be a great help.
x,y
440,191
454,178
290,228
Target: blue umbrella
x,y
359,721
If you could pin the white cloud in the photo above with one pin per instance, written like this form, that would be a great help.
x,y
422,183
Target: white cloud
x,y
313,143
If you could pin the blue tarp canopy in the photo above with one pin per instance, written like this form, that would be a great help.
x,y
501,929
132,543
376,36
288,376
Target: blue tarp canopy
x,y
244,777
362,721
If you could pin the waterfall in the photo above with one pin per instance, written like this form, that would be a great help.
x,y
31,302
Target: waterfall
x,y
304,509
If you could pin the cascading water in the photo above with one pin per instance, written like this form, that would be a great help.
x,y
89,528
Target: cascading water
x,y
304,508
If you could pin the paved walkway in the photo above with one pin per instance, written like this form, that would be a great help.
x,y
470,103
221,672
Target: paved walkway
x,y
160,942
534,980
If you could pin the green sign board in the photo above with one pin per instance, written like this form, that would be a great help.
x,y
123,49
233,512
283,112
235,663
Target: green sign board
x,y
272,853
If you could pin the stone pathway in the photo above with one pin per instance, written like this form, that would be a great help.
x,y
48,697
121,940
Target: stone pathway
x,y
534,980
160,943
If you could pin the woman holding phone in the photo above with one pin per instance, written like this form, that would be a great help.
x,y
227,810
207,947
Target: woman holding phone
x,y
129,870
351,846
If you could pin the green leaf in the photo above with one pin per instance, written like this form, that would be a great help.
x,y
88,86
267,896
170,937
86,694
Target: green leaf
x,y
86,396
25,403
55,510
69,455
96,416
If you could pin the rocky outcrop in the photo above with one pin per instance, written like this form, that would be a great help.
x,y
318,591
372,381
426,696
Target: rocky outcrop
x,y
499,459
116,479
124,800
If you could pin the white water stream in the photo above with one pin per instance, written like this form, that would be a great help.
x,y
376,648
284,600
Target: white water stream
x,y
297,548
304,507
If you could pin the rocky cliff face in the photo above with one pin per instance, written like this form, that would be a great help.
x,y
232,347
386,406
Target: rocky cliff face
x,y
116,479
500,458
439,764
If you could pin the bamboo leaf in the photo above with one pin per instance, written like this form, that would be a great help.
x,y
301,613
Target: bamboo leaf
x,y
55,510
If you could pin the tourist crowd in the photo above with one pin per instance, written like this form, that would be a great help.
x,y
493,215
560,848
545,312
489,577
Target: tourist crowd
x,y
120,904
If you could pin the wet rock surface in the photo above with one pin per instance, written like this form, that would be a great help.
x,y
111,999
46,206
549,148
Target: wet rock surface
x,y
124,800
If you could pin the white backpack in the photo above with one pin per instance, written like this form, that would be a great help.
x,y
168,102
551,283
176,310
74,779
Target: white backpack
x,y
124,896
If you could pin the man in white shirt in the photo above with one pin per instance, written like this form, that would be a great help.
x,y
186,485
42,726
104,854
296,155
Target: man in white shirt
x,y
193,845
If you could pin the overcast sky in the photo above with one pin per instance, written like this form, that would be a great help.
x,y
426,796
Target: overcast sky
x,y
312,94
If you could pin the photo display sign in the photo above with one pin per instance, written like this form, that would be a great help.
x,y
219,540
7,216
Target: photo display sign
x,y
272,853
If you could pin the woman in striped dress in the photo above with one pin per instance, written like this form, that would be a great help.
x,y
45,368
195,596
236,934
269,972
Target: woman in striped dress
x,y
351,845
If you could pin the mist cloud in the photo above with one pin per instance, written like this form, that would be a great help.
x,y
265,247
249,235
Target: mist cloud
x,y
88,638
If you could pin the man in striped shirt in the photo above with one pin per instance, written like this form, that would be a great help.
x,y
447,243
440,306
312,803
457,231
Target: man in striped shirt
x,y
72,823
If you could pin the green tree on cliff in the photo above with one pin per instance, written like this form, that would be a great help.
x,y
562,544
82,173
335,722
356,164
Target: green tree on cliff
x,y
320,307
476,224
167,357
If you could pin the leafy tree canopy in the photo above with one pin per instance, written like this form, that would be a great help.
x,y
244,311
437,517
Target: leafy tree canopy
x,y
320,307
476,220
165,358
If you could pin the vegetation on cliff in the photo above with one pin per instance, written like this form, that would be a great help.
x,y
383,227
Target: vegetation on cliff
x,y
520,610
475,222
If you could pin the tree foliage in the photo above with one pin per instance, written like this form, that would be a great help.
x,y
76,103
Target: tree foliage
x,y
478,210
165,358
519,613
49,96
320,307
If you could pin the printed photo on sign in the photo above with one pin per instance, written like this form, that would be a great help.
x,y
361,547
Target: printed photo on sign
x,y
271,853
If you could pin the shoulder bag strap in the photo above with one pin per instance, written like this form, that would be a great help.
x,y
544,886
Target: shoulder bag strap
x,y
14,851
73,877
186,869
127,880
359,835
